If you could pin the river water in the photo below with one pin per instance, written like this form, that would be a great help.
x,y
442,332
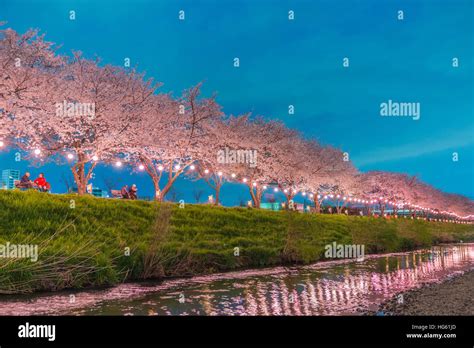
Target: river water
x,y
344,287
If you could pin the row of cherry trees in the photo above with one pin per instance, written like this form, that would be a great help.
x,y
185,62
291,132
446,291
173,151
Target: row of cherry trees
x,y
166,136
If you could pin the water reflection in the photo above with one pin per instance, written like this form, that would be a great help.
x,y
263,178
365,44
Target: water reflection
x,y
331,288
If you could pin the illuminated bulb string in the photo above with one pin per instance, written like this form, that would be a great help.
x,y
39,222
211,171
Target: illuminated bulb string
x,y
381,200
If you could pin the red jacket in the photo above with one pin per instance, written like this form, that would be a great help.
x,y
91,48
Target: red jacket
x,y
40,181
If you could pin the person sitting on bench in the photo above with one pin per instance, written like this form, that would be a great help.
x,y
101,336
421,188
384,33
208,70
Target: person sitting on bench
x,y
25,182
41,183
124,192
132,193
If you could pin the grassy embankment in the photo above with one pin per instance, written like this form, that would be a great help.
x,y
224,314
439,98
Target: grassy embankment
x,y
84,241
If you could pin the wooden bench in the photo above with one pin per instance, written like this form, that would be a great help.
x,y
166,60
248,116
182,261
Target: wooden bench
x,y
116,193
16,183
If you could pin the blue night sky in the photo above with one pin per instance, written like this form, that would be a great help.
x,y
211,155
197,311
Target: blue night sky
x,y
293,62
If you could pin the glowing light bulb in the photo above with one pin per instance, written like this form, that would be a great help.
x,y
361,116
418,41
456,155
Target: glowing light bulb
x,y
70,156
2,144
160,168
118,164
233,175
219,173
244,179
95,158
192,167
254,184
206,171
141,167
37,151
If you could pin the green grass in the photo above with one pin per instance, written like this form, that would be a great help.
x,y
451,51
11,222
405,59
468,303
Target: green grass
x,y
83,240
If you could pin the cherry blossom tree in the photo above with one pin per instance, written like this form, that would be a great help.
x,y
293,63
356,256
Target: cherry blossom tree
x,y
258,141
26,63
211,166
286,165
85,116
326,173
459,204
397,190
171,136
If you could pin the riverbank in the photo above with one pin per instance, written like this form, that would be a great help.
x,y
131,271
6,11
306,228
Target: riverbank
x,y
87,241
454,296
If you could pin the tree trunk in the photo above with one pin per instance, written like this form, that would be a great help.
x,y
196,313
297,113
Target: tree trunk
x,y
218,191
256,196
155,176
167,188
79,173
252,194
171,180
289,197
317,205
339,206
156,186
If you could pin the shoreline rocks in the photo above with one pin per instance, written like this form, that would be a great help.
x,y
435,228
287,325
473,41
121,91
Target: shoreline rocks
x,y
454,296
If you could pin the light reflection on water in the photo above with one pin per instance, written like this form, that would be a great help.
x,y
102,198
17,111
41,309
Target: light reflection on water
x,y
326,288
